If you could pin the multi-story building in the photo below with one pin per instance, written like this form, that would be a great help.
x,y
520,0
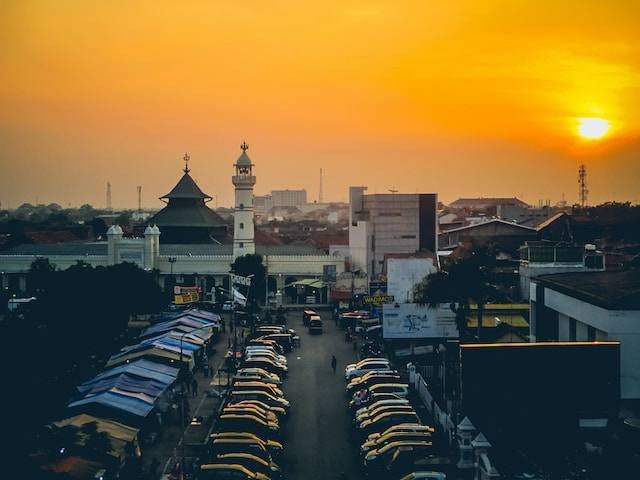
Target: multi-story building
x,y
382,224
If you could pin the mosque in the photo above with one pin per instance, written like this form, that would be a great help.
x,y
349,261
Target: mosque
x,y
187,242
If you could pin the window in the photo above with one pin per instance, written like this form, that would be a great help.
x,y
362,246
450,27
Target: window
x,y
241,245
591,334
242,206
408,236
241,225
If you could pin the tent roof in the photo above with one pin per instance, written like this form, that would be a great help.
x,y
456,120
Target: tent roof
x,y
126,382
148,350
116,401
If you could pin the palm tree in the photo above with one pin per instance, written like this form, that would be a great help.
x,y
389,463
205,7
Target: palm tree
x,y
465,282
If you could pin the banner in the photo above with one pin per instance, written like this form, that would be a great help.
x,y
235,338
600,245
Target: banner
x,y
377,299
184,298
178,289
239,280
239,298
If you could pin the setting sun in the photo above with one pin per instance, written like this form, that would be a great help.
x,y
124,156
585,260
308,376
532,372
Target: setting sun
x,y
593,128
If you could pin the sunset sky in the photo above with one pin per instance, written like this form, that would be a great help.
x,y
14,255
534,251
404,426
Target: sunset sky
x,y
462,98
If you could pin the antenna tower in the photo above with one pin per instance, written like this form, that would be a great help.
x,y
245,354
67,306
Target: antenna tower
x,y
320,191
582,182
140,198
109,196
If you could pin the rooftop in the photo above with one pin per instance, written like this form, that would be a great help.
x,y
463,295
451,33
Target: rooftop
x,y
615,290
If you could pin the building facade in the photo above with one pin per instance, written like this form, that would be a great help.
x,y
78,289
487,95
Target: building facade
x,y
591,306
383,224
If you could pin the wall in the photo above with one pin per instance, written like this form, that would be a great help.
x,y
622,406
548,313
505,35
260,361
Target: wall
x,y
615,325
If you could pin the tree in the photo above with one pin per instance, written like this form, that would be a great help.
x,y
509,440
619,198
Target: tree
x,y
466,281
40,274
251,264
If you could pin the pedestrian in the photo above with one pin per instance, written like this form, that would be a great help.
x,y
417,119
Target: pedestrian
x,y
334,363
194,387
206,370
153,467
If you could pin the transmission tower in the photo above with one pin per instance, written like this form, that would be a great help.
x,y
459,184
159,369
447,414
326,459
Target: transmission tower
x,y
109,196
140,198
320,191
582,182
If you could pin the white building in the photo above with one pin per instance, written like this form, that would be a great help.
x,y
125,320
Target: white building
x,y
382,224
288,198
243,180
592,306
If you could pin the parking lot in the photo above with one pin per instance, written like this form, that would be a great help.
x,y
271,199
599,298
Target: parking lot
x,y
319,443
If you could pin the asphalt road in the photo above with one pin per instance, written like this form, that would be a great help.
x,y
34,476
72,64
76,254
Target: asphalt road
x,y
319,443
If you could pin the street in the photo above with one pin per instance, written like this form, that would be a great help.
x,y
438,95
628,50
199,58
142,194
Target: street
x,y
319,444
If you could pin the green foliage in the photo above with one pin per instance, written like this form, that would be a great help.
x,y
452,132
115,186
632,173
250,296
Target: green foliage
x,y
466,281
79,319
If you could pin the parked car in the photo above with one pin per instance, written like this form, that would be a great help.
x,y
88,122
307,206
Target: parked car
x,y
370,379
270,343
385,420
253,463
275,448
403,427
285,340
265,352
398,389
381,403
267,398
247,422
368,398
265,387
266,364
264,415
394,437
425,476
220,471
364,366
255,378
358,419
280,412
315,324
377,459
220,444
306,315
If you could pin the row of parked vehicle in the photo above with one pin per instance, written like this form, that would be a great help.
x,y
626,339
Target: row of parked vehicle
x,y
394,443
247,442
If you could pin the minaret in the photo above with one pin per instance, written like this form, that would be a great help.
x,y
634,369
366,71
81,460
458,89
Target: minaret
x,y
243,180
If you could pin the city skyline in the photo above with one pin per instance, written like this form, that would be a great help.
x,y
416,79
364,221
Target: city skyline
x,y
498,99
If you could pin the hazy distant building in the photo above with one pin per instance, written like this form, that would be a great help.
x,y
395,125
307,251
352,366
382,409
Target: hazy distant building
x,y
382,224
508,236
288,198
485,203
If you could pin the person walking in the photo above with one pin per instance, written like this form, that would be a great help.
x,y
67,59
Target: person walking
x,y
194,387
334,363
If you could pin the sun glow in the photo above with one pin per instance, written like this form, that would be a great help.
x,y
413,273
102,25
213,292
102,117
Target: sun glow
x,y
593,128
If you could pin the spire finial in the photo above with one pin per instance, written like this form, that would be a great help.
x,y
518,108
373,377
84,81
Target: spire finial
x,y
186,159
244,146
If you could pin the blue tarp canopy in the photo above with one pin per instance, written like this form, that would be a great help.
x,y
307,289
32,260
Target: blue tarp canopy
x,y
151,346
127,383
184,324
194,312
168,341
142,368
116,401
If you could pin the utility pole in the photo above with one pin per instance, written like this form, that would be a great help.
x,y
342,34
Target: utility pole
x,y
139,198
320,195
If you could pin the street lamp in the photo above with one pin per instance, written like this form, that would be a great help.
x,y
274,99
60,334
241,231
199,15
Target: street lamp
x,y
172,260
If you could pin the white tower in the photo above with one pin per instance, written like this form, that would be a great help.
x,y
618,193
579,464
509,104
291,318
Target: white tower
x,y
243,180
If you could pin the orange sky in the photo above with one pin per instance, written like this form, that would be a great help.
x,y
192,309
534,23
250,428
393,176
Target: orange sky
x,y
462,98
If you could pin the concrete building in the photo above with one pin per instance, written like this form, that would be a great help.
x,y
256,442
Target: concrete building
x,y
591,306
243,181
487,204
531,217
381,224
288,198
545,258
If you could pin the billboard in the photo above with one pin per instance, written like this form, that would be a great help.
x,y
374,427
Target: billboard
x,y
403,274
410,320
